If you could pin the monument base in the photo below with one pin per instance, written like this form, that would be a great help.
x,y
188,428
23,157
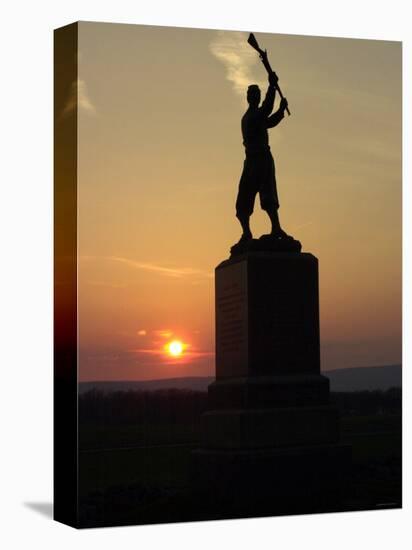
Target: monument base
x,y
269,441
252,392
273,481
269,428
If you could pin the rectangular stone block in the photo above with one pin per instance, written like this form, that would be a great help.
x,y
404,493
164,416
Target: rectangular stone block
x,y
257,392
269,428
267,315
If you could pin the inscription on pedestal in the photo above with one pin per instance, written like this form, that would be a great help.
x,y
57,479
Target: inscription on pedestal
x,y
231,321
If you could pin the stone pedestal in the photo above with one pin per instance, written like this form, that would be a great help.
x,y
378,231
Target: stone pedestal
x,y
267,315
270,434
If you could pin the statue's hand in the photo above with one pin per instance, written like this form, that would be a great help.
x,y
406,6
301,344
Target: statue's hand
x,y
273,79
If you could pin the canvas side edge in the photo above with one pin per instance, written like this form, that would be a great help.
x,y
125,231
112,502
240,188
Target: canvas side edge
x,y
65,446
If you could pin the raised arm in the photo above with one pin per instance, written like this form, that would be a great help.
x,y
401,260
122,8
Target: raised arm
x,y
269,101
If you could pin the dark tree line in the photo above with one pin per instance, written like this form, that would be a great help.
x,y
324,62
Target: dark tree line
x,y
368,402
179,406
172,406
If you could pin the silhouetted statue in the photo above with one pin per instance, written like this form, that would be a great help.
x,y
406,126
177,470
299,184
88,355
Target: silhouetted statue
x,y
258,174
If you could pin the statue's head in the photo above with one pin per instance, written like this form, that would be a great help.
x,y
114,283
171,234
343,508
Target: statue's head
x,y
253,95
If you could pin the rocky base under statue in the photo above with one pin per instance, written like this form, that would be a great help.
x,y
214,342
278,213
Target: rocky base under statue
x,y
266,243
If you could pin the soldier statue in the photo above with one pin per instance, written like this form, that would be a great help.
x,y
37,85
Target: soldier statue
x,y
258,174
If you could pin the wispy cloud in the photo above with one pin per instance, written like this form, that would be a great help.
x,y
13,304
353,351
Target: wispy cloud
x,y
177,272
174,272
302,225
105,284
79,97
163,333
232,49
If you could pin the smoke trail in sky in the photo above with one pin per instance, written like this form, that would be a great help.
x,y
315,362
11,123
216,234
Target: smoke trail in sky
x,y
232,49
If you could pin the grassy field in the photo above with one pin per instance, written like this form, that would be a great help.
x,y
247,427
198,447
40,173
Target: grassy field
x,y
138,474
376,459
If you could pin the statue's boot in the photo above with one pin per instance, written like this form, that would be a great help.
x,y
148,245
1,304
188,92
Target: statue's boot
x,y
245,238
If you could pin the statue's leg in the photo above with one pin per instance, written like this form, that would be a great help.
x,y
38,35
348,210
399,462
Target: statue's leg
x,y
269,197
244,222
245,201
274,219
277,230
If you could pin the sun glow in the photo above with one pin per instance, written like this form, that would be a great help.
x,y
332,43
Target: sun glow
x,y
175,348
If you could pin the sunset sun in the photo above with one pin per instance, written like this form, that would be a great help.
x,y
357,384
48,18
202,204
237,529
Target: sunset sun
x,y
175,348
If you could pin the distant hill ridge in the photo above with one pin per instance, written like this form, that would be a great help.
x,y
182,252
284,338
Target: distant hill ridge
x,y
350,379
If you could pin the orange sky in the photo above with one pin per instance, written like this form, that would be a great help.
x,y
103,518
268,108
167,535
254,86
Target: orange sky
x,y
160,156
